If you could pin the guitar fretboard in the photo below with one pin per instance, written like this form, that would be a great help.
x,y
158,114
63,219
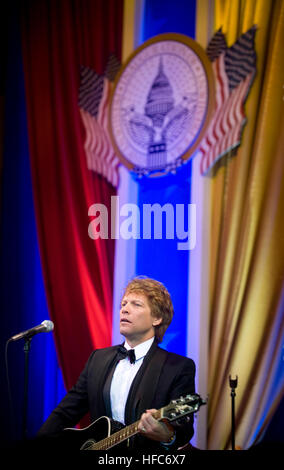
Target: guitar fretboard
x,y
120,436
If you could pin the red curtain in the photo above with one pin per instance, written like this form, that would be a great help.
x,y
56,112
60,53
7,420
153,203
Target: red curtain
x,y
59,37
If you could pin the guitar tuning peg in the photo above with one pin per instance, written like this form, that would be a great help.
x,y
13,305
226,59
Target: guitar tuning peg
x,y
192,397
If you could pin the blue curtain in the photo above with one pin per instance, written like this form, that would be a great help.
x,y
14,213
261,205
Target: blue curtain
x,y
161,259
22,296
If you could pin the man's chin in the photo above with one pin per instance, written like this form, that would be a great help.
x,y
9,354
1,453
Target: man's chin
x,y
125,330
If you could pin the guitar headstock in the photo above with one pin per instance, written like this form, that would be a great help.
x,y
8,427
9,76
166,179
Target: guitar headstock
x,y
182,406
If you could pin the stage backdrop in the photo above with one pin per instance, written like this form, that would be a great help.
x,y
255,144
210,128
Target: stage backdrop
x,y
227,292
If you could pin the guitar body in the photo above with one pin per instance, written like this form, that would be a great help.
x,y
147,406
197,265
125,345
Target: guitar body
x,y
95,432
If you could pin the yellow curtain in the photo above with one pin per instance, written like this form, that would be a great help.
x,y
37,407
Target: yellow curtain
x,y
247,240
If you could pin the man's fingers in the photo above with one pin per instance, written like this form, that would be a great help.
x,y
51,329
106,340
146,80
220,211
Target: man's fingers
x,y
143,423
152,428
149,420
147,423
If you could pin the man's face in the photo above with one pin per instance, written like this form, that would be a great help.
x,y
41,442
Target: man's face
x,y
136,321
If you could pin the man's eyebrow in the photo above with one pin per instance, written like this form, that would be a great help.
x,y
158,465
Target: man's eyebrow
x,y
132,300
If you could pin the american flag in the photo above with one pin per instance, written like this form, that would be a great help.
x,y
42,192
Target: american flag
x,y
234,70
94,100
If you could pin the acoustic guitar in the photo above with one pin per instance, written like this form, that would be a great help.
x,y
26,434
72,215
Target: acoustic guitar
x,y
105,433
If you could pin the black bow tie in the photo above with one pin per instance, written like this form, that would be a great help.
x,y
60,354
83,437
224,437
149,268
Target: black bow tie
x,y
122,353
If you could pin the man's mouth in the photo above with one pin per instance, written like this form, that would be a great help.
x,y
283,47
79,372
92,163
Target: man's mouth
x,y
124,320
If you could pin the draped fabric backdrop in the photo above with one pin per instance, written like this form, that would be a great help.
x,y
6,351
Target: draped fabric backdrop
x,y
59,37
51,267
247,235
239,236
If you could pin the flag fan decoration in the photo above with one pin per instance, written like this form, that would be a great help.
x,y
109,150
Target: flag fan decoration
x,y
94,99
234,71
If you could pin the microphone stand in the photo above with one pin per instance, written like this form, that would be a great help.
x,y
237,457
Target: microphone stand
x,y
233,384
46,326
27,347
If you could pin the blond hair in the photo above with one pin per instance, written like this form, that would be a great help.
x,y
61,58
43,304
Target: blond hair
x,y
159,300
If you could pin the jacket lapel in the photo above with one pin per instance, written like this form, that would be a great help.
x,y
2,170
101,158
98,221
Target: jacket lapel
x,y
143,388
100,392
107,382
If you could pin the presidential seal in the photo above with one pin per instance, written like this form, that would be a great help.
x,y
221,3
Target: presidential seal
x,y
161,104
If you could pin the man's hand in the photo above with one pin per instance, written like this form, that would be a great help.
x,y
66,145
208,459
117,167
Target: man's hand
x,y
153,429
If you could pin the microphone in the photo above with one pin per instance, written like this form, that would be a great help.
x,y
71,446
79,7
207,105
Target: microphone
x,y
45,326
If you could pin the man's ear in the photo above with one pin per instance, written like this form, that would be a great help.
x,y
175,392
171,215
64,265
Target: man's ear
x,y
157,321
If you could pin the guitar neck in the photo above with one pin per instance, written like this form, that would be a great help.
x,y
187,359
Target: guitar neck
x,y
121,435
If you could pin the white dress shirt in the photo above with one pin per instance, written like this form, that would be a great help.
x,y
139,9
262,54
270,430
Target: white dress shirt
x,y
123,377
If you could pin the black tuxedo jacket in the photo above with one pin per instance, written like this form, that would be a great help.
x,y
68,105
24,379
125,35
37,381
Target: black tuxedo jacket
x,y
162,377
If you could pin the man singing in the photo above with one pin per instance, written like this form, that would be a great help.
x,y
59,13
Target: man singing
x,y
130,382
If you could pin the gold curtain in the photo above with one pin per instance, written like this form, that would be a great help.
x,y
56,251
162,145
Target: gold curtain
x,y
247,240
